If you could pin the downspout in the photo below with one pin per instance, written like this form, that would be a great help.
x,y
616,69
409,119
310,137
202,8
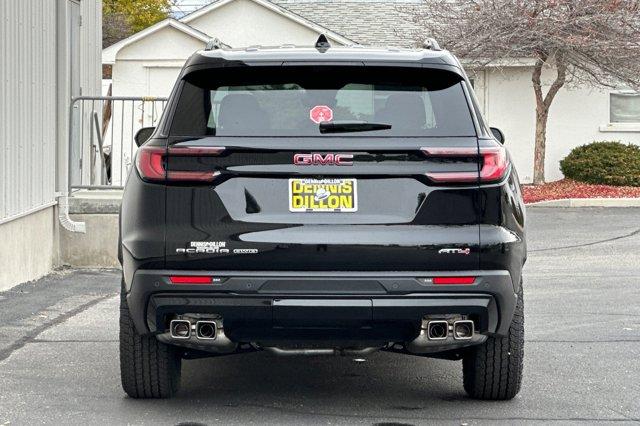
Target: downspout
x,y
63,199
63,216
62,89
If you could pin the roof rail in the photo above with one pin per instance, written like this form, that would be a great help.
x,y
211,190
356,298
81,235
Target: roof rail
x,y
431,44
215,44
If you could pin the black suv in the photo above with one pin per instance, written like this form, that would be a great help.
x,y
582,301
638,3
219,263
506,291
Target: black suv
x,y
322,200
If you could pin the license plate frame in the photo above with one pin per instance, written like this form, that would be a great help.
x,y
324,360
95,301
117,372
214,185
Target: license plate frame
x,y
309,195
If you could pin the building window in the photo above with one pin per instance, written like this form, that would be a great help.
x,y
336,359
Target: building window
x,y
624,107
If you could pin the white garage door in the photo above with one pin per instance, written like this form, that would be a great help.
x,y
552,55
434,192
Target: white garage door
x,y
160,80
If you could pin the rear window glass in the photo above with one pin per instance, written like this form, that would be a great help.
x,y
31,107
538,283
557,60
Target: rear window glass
x,y
293,101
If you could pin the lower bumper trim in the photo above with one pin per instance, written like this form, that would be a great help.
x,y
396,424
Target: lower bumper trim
x,y
490,301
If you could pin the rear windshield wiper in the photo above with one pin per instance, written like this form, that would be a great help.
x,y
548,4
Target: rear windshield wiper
x,y
351,126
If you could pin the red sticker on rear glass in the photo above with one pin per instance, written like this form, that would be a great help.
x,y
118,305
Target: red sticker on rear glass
x,y
320,113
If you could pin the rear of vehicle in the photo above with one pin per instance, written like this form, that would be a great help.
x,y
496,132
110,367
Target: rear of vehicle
x,y
306,202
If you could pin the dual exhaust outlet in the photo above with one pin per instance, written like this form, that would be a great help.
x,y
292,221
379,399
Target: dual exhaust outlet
x,y
438,334
441,330
198,332
436,330
203,330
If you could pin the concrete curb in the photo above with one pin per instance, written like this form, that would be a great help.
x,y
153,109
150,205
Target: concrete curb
x,y
95,202
588,202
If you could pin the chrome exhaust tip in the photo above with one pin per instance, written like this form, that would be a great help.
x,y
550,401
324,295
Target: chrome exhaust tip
x,y
463,330
437,330
206,330
180,329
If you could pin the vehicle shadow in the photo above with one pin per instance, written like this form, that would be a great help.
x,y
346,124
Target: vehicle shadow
x,y
384,385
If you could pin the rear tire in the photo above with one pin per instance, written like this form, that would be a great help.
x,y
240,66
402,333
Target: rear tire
x,y
148,368
493,370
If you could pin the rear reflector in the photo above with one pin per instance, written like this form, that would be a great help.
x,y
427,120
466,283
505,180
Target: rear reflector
x,y
454,280
184,279
151,163
495,164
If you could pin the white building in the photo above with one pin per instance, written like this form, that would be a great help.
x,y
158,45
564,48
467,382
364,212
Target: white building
x,y
147,63
50,52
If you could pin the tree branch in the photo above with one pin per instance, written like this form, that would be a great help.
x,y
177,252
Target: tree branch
x,y
561,77
537,82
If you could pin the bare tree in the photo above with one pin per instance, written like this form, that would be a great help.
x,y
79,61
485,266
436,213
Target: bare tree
x,y
586,41
114,28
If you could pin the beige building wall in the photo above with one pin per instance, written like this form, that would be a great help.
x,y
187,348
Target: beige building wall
x,y
150,66
578,115
244,23
29,247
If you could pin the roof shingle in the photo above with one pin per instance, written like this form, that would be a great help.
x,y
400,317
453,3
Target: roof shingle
x,y
376,23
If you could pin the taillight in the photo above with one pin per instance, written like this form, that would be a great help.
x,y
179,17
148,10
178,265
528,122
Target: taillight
x,y
495,164
151,162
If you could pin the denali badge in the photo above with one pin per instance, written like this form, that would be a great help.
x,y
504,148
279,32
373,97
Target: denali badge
x,y
454,251
323,160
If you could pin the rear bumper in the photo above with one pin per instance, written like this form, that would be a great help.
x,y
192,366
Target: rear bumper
x,y
357,305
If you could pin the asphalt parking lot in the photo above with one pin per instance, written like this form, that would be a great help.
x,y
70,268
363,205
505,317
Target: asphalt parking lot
x,y
59,357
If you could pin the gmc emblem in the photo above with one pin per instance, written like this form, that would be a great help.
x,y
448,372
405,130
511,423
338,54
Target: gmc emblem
x,y
323,160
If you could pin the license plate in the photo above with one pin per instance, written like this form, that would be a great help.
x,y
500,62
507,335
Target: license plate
x,y
323,195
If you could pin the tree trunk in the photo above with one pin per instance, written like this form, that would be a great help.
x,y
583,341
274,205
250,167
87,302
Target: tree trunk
x,y
543,103
540,146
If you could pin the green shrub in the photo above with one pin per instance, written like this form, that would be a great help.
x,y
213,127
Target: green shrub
x,y
608,163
